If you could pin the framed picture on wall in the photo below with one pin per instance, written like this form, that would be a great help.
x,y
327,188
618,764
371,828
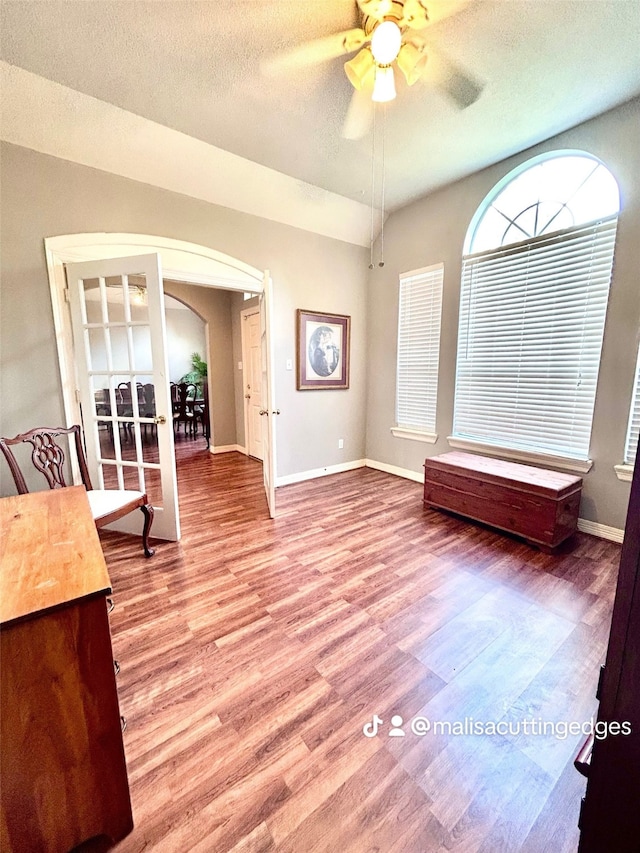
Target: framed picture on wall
x,y
322,350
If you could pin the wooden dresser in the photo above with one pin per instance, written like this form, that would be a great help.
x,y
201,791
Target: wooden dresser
x,y
539,505
64,777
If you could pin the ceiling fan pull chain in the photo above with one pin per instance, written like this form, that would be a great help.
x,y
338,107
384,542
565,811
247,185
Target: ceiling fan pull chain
x,y
384,127
373,185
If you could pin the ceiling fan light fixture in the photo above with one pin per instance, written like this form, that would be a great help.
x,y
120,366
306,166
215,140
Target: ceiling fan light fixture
x,y
386,40
384,87
360,70
138,295
411,61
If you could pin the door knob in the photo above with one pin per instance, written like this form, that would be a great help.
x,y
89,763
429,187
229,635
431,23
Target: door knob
x,y
263,412
276,412
160,419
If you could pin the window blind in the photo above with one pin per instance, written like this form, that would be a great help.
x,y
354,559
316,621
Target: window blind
x,y
419,319
633,430
530,335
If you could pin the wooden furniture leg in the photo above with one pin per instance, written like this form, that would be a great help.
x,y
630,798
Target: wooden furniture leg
x,y
147,511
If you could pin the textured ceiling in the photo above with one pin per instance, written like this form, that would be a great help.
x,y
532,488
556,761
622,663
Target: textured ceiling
x,y
195,67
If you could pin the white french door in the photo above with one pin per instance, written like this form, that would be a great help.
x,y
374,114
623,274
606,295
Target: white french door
x,y
268,411
119,337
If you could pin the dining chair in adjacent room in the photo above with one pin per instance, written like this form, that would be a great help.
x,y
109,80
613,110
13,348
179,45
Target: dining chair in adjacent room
x,y
183,408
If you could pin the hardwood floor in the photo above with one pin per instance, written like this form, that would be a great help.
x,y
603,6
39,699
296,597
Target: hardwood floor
x,y
254,651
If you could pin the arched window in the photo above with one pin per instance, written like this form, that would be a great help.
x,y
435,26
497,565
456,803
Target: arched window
x,y
535,283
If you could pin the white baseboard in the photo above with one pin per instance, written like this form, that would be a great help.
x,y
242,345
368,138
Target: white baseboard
x,y
406,473
227,448
603,531
320,472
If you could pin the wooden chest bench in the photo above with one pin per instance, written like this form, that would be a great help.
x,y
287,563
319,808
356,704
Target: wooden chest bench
x,y
537,504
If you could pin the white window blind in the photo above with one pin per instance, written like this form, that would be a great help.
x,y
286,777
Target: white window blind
x,y
530,335
633,430
419,320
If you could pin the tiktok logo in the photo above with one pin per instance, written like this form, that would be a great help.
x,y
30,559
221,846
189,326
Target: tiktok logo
x,y
371,729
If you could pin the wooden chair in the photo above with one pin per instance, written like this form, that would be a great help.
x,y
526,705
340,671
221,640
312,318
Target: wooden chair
x,y
183,407
149,393
48,457
147,404
201,412
125,406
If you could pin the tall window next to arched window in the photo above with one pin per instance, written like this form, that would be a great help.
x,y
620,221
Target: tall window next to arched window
x,y
419,318
633,427
535,284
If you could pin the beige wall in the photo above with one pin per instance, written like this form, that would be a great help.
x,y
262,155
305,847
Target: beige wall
x,y
43,196
185,335
433,229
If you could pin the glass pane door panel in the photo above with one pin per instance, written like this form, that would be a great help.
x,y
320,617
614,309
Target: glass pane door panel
x,y
97,348
146,395
107,448
150,444
109,473
125,403
133,478
94,308
101,400
139,311
119,339
115,298
153,486
92,302
141,336
138,298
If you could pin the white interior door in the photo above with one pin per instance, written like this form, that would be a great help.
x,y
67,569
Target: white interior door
x,y
268,411
120,356
252,358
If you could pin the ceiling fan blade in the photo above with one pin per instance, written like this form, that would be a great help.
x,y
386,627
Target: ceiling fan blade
x,y
415,15
359,115
418,14
377,9
314,52
452,79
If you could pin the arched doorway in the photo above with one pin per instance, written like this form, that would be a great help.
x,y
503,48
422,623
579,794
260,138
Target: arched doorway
x,y
181,261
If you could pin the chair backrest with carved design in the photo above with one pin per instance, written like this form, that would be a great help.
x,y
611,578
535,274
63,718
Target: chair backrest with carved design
x,y
187,392
47,456
124,390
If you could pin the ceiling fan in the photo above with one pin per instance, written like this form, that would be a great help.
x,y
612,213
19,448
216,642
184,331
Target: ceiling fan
x,y
391,37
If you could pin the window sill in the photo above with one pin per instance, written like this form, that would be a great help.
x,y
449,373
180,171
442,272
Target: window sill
x,y
624,472
564,463
414,435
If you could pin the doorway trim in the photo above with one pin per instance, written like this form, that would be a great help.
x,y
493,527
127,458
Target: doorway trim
x,y
181,261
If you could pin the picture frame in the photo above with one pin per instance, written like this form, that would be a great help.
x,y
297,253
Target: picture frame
x,y
323,350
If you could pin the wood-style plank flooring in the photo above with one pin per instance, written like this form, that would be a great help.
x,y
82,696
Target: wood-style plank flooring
x,y
254,651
